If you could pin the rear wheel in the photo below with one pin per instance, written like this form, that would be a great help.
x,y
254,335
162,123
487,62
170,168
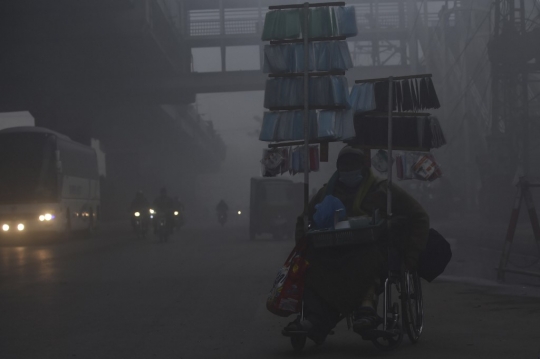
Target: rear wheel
x,y
412,305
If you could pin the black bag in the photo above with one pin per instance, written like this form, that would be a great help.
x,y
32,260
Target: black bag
x,y
435,257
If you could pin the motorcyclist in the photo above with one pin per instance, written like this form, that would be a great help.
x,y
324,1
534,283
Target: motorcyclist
x,y
221,210
222,207
341,281
163,206
141,205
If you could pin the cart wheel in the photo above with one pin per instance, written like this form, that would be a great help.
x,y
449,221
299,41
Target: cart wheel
x,y
412,305
389,344
298,342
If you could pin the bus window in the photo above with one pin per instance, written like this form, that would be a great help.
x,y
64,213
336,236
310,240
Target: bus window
x,y
28,168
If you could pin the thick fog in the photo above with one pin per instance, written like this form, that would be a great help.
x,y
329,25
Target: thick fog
x,y
138,117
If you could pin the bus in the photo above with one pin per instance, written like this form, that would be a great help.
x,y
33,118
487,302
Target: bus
x,y
48,183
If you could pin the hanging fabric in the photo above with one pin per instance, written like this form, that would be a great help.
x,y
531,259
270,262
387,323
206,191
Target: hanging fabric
x,y
362,97
381,95
269,126
416,94
424,93
408,103
398,99
433,98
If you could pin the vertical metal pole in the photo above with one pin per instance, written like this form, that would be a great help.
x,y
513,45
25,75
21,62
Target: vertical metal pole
x,y
306,113
260,27
524,99
412,19
222,36
389,192
390,139
444,15
469,169
403,40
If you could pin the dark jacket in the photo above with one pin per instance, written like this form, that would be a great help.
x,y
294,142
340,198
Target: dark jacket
x,y
342,276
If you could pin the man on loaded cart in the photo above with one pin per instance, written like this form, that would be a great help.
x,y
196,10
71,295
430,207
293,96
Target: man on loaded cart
x,y
340,281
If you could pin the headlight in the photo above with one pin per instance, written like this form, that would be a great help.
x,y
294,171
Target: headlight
x,y
46,217
239,212
137,214
20,227
176,213
152,211
5,227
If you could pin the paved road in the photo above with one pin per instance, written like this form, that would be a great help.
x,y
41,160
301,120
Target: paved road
x,y
202,296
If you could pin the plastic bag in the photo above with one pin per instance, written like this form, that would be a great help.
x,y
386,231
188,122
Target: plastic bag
x,y
298,125
298,57
340,91
362,98
271,93
276,59
323,55
346,20
285,87
285,126
330,124
269,126
348,130
326,125
293,28
296,92
271,162
282,24
320,23
270,23
337,63
345,53
285,297
325,212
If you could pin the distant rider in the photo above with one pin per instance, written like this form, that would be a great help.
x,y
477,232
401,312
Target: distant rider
x,y
139,204
222,210
163,206
222,207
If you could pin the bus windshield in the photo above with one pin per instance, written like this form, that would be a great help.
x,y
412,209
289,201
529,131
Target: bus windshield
x,y
27,168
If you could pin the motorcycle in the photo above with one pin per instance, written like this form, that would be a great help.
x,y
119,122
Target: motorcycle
x,y
163,227
222,218
178,220
139,222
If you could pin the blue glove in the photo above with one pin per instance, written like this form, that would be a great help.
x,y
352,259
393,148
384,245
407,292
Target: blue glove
x,y
324,215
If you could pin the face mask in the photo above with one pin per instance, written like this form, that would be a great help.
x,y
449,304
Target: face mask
x,y
351,179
